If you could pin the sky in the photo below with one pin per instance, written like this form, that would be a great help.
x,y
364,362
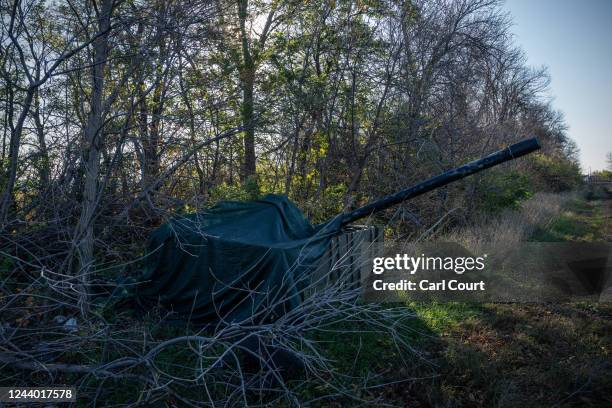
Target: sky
x,y
574,40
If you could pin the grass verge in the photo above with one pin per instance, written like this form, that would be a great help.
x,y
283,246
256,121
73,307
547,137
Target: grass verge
x,y
505,355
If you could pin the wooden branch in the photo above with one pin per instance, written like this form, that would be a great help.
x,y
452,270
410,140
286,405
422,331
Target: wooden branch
x,y
170,170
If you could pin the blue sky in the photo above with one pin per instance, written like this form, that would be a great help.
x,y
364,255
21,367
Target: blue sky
x,y
574,40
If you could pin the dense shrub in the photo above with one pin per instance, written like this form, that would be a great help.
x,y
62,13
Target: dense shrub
x,y
554,173
500,189
248,190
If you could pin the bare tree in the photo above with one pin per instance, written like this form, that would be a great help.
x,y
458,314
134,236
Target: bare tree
x,y
93,138
22,53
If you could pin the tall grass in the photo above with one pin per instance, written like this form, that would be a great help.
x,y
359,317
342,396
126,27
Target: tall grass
x,y
512,226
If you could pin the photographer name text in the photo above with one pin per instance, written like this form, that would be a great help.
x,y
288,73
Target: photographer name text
x,y
405,264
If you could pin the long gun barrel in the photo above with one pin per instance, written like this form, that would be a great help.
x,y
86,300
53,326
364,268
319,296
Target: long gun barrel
x,y
510,153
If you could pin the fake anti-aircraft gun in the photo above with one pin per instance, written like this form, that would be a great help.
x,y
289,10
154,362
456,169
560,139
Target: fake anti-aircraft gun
x,y
251,261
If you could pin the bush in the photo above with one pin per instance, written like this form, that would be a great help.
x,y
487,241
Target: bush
x,y
500,190
555,174
321,207
248,190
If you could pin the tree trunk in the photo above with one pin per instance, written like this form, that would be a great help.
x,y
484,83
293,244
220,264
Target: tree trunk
x,y
247,81
42,146
7,200
91,154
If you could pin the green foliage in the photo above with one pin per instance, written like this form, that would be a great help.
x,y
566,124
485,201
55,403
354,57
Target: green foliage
x,y
501,189
248,190
440,316
603,174
6,266
581,222
321,207
555,173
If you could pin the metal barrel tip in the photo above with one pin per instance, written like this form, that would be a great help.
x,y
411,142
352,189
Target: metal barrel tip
x,y
524,147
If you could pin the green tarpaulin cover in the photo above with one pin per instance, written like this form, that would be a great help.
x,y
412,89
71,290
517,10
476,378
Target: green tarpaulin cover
x,y
235,261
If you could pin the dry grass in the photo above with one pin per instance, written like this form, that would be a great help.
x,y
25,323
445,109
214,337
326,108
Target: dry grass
x,y
521,355
512,227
